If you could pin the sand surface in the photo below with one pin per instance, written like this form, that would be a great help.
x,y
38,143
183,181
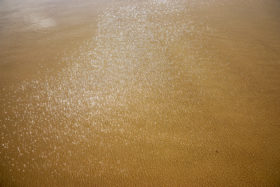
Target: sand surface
x,y
140,93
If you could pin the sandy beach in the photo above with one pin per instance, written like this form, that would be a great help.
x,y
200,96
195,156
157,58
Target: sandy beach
x,y
139,93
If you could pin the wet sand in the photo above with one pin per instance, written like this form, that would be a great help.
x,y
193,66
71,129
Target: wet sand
x,y
140,93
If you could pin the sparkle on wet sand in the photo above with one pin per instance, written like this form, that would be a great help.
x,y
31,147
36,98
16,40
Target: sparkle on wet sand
x,y
149,93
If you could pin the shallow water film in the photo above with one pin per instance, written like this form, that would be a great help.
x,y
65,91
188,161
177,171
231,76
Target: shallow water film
x,y
139,93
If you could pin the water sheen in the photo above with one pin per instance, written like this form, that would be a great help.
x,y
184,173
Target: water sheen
x,y
139,93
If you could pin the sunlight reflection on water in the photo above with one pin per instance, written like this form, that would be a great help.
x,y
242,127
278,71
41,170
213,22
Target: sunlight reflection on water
x,y
152,92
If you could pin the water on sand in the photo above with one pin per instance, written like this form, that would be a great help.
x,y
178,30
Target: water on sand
x,y
152,92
